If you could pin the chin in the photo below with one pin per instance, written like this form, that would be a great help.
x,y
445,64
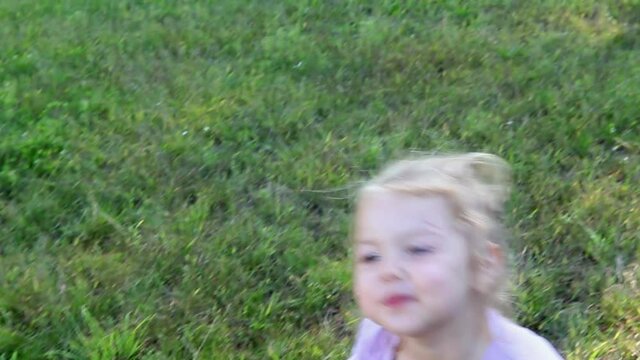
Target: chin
x,y
405,330
402,325
415,325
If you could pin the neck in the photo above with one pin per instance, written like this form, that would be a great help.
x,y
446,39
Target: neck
x,y
464,337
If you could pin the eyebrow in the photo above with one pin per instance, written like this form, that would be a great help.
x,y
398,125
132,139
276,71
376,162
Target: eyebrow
x,y
366,242
404,236
432,227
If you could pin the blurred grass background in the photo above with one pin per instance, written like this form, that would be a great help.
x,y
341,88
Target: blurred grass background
x,y
175,176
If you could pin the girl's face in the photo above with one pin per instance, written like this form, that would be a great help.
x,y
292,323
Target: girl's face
x,y
412,267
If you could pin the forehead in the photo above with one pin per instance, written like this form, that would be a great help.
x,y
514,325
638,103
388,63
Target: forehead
x,y
385,213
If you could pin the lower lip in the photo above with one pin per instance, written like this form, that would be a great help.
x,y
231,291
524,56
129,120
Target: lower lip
x,y
397,301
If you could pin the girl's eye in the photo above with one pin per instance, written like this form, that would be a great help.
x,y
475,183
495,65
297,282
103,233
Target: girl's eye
x,y
369,258
420,250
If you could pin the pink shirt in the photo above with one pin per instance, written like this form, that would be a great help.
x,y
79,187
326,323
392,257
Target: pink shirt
x,y
510,342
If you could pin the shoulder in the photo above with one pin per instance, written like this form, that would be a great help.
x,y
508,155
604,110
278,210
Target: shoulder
x,y
521,343
373,342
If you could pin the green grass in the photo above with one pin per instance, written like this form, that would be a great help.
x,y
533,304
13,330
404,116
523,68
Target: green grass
x,y
176,176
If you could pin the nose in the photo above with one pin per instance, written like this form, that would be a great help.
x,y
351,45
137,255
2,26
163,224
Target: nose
x,y
392,269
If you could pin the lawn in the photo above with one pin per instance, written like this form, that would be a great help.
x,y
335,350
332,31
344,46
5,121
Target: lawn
x,y
177,177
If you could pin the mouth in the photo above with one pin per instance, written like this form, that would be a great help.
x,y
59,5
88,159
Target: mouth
x,y
397,300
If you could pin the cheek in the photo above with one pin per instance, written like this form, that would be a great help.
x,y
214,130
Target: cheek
x,y
439,280
429,277
363,287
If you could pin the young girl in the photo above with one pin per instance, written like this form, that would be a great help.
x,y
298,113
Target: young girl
x,y
430,264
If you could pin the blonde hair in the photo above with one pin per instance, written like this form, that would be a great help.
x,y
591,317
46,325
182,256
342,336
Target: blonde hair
x,y
477,186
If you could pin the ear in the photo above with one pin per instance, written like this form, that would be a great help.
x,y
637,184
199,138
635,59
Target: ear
x,y
489,268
